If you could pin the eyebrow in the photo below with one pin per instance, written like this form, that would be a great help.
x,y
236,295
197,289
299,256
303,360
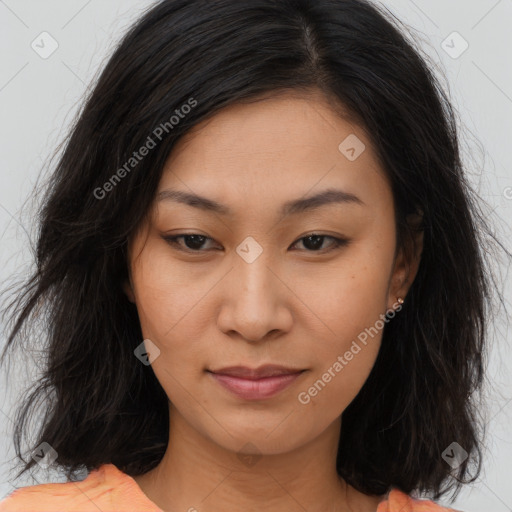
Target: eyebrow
x,y
326,197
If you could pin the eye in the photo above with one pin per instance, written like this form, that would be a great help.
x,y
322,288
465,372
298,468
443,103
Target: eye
x,y
193,242
314,242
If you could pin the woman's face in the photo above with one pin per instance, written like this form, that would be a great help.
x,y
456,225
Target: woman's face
x,y
256,290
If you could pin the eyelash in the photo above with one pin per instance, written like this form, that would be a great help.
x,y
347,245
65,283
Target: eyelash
x,y
336,242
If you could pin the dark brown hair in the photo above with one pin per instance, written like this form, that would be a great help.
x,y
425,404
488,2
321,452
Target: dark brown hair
x,y
103,406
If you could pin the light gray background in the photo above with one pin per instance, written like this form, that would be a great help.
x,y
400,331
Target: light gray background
x,y
39,97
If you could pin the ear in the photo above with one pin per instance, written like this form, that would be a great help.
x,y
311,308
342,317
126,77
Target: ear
x,y
407,261
128,289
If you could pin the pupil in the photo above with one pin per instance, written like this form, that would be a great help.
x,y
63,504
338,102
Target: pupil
x,y
197,241
315,244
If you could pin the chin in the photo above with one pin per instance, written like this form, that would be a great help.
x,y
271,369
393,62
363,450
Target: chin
x,y
261,437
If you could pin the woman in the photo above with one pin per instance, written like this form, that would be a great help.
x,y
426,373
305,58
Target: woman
x,y
262,271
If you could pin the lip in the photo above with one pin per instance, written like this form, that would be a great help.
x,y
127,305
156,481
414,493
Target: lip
x,y
255,383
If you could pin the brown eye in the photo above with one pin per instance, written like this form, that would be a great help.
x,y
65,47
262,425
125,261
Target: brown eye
x,y
315,242
192,242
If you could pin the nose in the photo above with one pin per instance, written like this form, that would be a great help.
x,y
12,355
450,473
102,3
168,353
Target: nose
x,y
255,301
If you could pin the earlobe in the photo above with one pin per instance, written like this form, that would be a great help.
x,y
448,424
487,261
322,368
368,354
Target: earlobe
x,y
399,280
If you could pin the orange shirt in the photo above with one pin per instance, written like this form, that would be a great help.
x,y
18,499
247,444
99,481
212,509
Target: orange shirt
x,y
107,489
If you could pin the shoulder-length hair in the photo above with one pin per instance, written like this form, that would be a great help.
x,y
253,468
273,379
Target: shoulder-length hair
x,y
103,406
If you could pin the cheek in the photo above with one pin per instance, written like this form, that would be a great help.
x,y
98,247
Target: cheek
x,y
330,391
346,296
165,294
349,302
344,356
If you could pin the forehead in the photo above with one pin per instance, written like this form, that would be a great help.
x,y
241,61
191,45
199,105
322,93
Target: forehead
x,y
274,149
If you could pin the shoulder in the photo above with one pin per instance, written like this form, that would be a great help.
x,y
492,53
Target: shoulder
x,y
106,489
43,498
398,501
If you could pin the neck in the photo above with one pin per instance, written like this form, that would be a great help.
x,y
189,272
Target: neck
x,y
197,474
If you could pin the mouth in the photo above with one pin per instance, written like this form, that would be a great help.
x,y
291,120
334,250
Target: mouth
x,y
255,383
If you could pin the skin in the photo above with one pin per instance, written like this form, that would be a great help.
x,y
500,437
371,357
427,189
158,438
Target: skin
x,y
293,305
